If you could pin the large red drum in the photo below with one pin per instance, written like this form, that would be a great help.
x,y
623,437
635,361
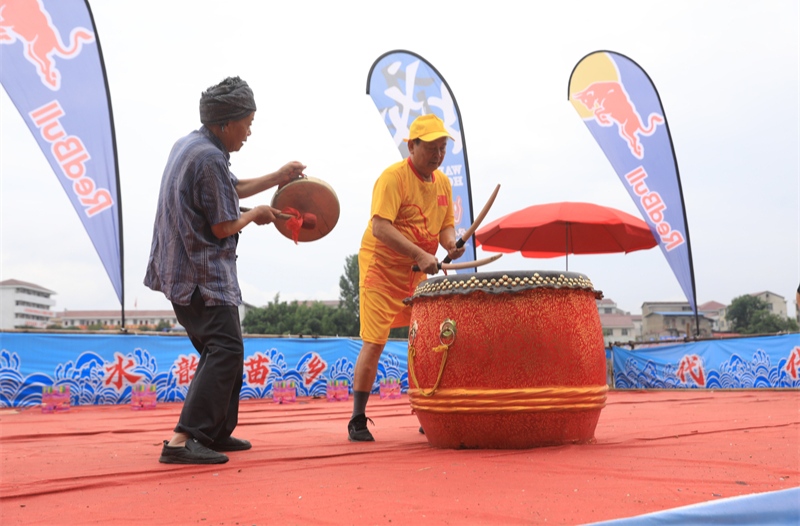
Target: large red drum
x,y
507,360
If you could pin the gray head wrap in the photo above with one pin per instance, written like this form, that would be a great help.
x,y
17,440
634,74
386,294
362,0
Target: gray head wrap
x,y
230,100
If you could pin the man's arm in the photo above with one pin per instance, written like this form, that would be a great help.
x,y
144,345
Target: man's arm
x,y
289,171
392,238
260,215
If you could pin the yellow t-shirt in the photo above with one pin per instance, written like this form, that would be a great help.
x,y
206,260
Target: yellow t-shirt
x,y
419,211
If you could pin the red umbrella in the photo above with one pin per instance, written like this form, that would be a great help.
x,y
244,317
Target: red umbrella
x,y
555,229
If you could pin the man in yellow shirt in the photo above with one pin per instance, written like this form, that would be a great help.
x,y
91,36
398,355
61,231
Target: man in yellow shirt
x,y
412,213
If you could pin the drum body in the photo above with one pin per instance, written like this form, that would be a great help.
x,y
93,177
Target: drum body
x,y
526,367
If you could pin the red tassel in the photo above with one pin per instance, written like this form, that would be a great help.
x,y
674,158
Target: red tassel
x,y
293,223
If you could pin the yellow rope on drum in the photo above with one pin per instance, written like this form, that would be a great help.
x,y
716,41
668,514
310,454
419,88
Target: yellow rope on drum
x,y
447,337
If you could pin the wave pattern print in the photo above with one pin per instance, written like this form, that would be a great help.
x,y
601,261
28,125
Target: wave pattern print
x,y
390,368
277,370
86,377
735,373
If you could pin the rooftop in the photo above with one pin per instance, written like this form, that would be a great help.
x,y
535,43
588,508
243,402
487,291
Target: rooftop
x,y
18,283
752,293
711,306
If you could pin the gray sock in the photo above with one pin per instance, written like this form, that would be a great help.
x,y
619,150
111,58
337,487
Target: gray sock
x,y
360,399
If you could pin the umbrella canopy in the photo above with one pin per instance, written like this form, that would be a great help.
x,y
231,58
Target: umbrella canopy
x,y
559,229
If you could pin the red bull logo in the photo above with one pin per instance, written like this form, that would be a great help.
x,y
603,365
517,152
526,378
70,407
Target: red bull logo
x,y
29,22
610,104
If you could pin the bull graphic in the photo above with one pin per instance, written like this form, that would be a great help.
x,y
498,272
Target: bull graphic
x,y
29,22
610,104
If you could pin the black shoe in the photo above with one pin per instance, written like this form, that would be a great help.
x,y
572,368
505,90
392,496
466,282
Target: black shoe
x,y
421,430
192,453
230,444
357,429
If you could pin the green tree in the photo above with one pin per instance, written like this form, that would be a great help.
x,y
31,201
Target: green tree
x,y
741,312
95,327
163,324
348,287
749,315
399,332
314,319
764,322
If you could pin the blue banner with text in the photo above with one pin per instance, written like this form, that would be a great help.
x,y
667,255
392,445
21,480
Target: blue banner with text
x,y
102,369
52,68
741,363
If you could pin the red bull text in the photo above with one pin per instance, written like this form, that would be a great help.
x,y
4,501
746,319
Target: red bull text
x,y
654,205
71,155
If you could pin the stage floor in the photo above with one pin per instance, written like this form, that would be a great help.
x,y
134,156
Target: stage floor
x,y
655,450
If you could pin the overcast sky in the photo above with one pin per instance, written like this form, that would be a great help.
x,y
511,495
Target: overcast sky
x,y
727,74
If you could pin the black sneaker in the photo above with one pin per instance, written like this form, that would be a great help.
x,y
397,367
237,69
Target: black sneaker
x,y
357,429
192,453
230,444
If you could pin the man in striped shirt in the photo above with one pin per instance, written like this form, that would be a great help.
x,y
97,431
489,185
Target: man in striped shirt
x,y
193,262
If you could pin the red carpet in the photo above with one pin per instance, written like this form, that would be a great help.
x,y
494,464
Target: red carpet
x,y
655,450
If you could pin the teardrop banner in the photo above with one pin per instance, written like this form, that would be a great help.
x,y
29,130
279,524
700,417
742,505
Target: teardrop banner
x,y
52,69
403,86
622,109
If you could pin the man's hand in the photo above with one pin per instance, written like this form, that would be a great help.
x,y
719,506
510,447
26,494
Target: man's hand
x,y
290,171
427,263
264,214
455,253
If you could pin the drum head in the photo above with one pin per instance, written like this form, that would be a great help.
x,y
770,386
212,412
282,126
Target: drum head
x,y
308,195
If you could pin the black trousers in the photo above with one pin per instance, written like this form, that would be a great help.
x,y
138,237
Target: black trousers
x,y
211,409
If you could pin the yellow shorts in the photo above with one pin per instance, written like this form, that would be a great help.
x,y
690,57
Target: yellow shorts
x,y
380,312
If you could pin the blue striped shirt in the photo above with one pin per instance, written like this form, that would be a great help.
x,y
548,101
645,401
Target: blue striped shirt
x,y
197,191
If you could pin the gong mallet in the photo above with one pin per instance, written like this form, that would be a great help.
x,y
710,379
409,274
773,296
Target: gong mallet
x,y
468,234
309,220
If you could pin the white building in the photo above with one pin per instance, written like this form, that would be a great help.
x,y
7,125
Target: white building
x,y
776,304
618,325
134,319
111,319
24,304
713,310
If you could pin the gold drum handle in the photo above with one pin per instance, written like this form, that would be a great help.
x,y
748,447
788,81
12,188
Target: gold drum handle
x,y
447,337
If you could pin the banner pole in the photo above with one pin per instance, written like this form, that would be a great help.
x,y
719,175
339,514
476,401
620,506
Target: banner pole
x,y
116,169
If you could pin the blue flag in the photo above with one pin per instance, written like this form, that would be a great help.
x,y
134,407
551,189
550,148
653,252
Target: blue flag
x,y
403,86
52,68
620,105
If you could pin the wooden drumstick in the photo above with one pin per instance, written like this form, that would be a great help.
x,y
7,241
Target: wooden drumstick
x,y
471,230
466,264
309,219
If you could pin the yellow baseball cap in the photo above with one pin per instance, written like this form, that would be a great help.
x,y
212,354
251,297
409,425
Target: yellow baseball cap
x,y
427,128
